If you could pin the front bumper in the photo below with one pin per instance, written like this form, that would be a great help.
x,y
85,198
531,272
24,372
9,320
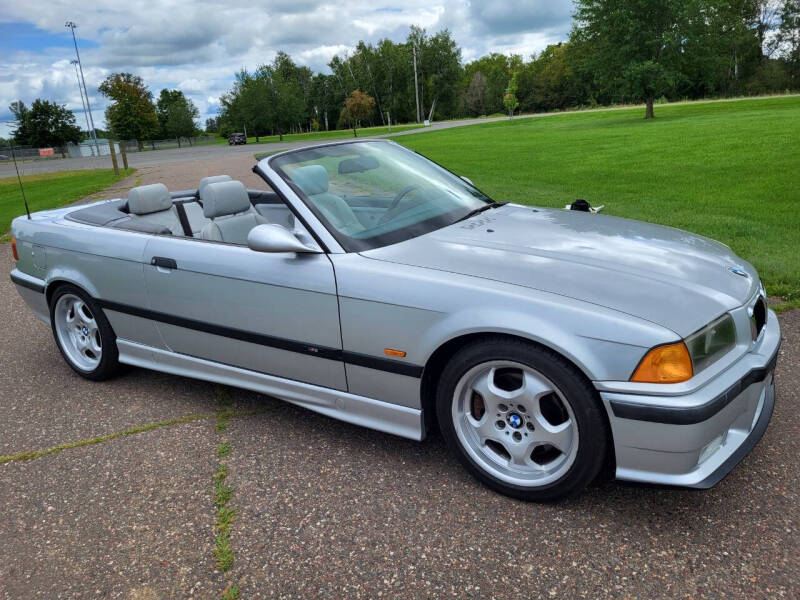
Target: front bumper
x,y
696,439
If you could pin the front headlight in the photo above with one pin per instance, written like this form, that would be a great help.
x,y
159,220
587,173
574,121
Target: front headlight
x,y
674,363
711,342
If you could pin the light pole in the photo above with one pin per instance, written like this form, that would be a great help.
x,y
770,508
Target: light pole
x,y
416,85
80,89
71,25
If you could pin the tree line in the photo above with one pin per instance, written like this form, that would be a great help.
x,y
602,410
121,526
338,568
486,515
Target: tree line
x,y
618,51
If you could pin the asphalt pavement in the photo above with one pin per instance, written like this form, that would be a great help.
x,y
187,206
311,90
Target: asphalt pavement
x,y
329,510
171,156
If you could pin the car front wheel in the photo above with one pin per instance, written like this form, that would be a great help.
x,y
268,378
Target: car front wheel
x,y
522,419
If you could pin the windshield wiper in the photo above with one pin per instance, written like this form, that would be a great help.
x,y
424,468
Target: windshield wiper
x,y
480,209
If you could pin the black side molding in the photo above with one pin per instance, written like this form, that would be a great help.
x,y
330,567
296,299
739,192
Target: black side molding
x,y
698,414
36,287
382,364
353,358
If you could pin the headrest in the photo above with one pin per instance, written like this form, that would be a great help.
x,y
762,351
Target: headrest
x,y
212,179
312,179
224,198
147,199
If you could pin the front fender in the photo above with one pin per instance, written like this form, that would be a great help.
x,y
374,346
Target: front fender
x,y
599,359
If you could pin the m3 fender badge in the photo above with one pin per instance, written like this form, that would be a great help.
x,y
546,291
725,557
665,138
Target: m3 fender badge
x,y
738,271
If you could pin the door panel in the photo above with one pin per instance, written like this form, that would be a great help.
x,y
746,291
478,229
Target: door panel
x,y
273,313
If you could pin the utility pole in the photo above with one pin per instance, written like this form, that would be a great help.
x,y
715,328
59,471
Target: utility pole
x,y
416,85
80,89
71,25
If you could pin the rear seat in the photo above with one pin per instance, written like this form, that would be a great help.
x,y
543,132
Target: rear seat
x,y
194,210
151,210
211,179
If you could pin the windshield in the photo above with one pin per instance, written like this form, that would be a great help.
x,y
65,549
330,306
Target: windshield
x,y
371,194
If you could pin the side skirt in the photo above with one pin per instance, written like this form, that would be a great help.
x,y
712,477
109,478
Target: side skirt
x,y
358,410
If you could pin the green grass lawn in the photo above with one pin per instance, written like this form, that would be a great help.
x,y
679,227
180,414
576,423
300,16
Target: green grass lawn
x,y
326,135
727,170
51,190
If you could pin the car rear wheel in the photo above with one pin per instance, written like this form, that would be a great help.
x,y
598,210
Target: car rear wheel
x,y
83,334
522,419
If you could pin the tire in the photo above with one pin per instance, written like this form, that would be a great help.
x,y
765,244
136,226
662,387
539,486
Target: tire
x,y
83,334
522,419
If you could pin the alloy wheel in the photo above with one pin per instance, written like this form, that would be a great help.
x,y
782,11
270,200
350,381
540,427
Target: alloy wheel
x,y
515,423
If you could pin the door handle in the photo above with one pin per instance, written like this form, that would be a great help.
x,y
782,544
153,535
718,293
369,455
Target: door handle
x,y
164,263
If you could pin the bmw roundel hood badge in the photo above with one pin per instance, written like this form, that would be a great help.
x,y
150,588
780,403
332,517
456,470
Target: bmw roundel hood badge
x,y
738,271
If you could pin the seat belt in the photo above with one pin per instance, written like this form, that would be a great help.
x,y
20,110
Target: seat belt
x,y
187,229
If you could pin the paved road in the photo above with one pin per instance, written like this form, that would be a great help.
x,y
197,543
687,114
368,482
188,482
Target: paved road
x,y
214,152
208,152
330,510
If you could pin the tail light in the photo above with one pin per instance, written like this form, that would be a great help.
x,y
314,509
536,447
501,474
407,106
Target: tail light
x,y
14,249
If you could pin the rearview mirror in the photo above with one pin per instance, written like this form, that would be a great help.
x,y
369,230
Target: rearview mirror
x,y
358,165
271,237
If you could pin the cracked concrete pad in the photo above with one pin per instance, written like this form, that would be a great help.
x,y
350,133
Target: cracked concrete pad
x,y
44,403
130,518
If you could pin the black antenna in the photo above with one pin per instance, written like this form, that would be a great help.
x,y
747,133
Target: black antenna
x,y
21,189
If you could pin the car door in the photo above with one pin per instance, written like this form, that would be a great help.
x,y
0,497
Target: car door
x,y
275,313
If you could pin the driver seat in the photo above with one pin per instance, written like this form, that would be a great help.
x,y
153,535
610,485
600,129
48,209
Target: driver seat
x,y
313,181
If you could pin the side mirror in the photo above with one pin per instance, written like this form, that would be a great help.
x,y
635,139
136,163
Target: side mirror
x,y
468,180
275,238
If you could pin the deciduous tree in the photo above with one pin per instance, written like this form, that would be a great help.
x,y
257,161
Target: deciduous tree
x,y
475,96
636,45
131,113
44,124
510,96
176,115
789,39
358,107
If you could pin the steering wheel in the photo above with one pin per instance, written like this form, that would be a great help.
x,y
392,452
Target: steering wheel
x,y
395,201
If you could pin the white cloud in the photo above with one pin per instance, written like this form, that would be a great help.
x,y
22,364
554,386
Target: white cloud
x,y
198,46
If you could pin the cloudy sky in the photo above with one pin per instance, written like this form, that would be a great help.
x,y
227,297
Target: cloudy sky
x,y
197,46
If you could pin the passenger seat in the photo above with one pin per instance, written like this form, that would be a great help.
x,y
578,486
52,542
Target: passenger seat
x,y
151,205
228,206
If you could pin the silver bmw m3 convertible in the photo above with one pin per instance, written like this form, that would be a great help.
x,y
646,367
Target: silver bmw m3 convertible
x,y
368,283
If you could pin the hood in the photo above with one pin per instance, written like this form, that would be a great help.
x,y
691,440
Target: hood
x,y
670,277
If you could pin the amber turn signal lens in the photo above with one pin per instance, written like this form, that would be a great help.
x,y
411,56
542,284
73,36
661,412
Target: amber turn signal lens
x,y
665,364
14,249
393,352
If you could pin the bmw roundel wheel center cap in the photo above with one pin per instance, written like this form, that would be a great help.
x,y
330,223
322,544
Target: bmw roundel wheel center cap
x,y
514,420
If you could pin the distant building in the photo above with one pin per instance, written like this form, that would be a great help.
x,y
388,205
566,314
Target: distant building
x,y
87,148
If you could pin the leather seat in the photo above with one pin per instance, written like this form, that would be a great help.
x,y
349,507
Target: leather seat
x,y
228,206
211,179
313,181
194,212
152,207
